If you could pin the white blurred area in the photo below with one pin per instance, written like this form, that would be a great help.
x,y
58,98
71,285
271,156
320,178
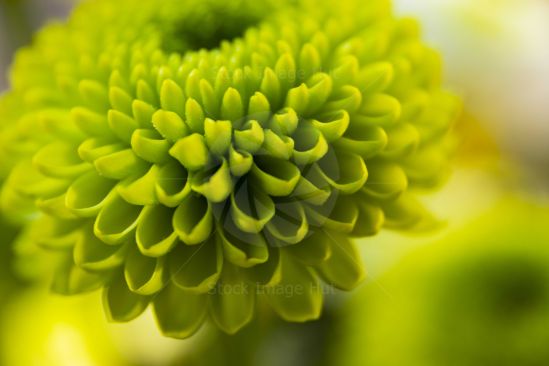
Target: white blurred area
x,y
496,55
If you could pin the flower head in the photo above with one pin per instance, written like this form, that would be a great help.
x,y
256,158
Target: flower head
x,y
199,155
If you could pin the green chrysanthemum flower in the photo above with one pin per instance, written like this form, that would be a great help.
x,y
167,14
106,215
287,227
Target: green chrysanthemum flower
x,y
195,154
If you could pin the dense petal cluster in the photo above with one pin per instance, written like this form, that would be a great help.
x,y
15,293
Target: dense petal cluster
x,y
198,155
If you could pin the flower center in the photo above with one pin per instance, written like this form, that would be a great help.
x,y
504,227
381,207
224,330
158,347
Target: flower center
x,y
206,24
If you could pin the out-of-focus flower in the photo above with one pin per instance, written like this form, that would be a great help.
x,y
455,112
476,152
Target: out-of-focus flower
x,y
478,297
194,155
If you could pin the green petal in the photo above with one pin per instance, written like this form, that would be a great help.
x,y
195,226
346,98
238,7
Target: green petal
x,y
122,125
215,184
94,148
196,268
60,160
218,135
232,305
120,303
146,93
271,88
333,125
250,139
149,146
192,85
155,235
145,275
222,81
209,99
120,100
345,70
386,181
240,162
340,217
116,220
414,103
276,146
94,94
344,171
376,77
275,176
172,98
117,80
250,209
310,145
364,141
70,279
370,219
92,254
286,70
240,248
90,122
284,122
169,125
405,213
193,220
21,207
140,190
179,313
304,303
119,165
191,151
289,224
232,108
143,113
59,122
402,141
427,167
320,89
344,268
88,194
309,60
268,273
298,99
54,233
312,250
321,42
194,116
380,109
348,98
312,188
55,206
26,180
173,184
259,108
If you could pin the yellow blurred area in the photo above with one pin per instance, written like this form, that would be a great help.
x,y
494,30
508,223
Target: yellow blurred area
x,y
38,328
41,329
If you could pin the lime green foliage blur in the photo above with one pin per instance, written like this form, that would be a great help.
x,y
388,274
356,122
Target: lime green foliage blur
x,y
478,297
204,157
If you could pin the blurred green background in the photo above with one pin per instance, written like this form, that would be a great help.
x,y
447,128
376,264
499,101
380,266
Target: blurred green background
x,y
476,292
